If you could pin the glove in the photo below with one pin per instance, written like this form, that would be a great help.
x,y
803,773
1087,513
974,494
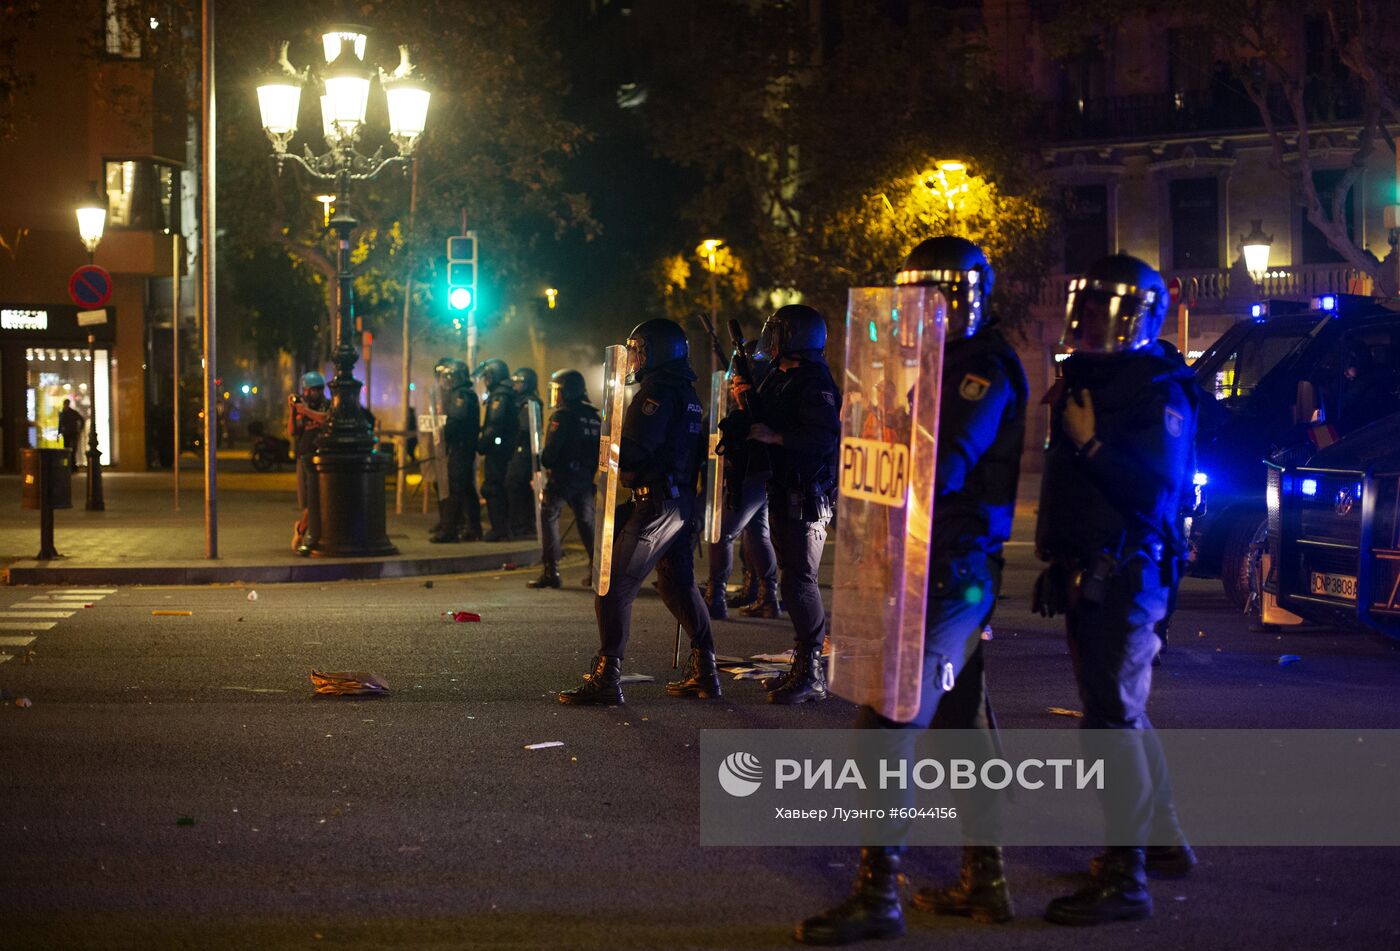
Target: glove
x,y
1051,594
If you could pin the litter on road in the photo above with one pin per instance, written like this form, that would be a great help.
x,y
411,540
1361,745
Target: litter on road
x,y
636,679
252,596
352,683
544,746
172,613
463,615
1065,712
1289,659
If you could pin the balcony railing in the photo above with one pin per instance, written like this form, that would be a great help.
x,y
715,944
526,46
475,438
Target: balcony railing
x,y
1222,106
1217,288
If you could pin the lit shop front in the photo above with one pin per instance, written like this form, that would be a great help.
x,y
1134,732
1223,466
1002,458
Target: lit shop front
x,y
44,360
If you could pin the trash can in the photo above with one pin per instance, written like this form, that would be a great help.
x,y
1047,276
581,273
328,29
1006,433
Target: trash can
x,y
47,479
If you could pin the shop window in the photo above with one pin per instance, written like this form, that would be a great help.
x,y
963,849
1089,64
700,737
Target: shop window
x,y
55,374
1195,215
142,196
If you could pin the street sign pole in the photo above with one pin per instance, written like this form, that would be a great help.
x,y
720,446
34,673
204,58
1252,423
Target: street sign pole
x,y
207,260
175,352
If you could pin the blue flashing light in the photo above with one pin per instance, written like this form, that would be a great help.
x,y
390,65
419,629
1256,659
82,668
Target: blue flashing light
x,y
1256,311
1309,487
1328,303
1200,478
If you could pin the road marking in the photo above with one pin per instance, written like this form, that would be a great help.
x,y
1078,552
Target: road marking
x,y
5,657
16,641
26,625
88,591
12,612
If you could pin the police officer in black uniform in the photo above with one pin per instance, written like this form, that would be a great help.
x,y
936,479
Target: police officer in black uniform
x,y
745,515
801,425
459,509
1122,426
981,429
520,492
570,461
497,443
659,462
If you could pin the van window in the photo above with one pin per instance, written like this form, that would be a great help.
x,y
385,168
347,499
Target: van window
x,y
1233,373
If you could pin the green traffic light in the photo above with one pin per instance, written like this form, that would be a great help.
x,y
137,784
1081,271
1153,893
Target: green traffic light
x,y
460,298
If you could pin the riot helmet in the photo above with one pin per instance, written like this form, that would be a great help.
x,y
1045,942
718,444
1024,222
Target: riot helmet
x,y
566,386
526,381
653,344
312,380
452,373
493,372
959,269
1116,306
794,330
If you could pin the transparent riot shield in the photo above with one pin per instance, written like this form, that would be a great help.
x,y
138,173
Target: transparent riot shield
x,y
609,456
889,432
437,429
714,463
536,416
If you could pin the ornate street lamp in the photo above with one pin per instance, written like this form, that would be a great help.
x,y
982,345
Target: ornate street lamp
x,y
351,476
92,220
1255,247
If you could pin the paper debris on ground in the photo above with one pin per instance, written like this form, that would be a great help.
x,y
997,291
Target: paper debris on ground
x,y
548,744
1065,712
172,613
636,679
252,596
462,615
23,702
728,659
349,683
784,658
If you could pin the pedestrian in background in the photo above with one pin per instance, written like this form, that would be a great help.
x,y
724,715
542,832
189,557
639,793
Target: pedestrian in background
x,y
70,429
309,414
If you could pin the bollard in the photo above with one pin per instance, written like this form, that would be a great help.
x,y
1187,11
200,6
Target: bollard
x,y
47,485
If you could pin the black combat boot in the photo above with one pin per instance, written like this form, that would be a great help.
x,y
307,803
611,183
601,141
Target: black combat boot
x,y
1174,860
806,681
872,911
764,604
980,893
714,600
602,687
701,677
549,577
1118,892
747,592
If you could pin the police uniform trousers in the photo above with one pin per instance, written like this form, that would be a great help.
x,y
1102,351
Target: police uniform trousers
x,y
493,491
653,535
579,498
798,544
953,692
461,509
750,519
520,494
1112,644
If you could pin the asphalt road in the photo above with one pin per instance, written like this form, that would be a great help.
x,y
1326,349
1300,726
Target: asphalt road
x,y
419,820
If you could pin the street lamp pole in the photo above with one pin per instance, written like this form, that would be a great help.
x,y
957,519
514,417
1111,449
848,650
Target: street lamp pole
x,y
92,219
350,474
711,247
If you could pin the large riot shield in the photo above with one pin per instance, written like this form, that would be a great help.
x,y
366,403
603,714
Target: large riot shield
x,y
437,428
535,413
714,462
889,433
609,457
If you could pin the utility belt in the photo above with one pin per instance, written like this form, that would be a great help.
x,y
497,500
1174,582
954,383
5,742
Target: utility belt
x,y
811,500
662,491
1085,580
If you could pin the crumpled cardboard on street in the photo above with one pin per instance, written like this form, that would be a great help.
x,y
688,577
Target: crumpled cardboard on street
x,y
349,683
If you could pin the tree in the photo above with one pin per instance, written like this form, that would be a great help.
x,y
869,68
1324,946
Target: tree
x,y
811,143
1265,45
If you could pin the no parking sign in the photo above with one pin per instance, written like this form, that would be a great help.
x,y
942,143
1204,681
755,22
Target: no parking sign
x,y
90,286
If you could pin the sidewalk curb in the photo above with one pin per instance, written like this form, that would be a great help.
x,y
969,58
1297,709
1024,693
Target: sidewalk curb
x,y
311,569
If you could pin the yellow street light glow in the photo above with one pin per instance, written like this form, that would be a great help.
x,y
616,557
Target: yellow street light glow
x,y
551,293
326,202
952,166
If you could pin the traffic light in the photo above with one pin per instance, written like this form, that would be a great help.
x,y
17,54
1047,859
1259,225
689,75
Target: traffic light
x,y
461,272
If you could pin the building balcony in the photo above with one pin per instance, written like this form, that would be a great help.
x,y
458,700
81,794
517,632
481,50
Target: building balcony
x,y
1221,107
1232,290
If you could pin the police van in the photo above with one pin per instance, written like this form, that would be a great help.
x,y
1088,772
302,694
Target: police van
x,y
1333,553
1289,381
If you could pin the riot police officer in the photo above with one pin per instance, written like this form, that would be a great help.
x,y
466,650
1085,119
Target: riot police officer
x,y
981,430
1122,426
497,443
459,509
745,516
520,490
570,461
659,462
801,425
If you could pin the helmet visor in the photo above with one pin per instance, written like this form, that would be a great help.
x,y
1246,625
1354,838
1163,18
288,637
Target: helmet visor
x,y
769,340
636,358
556,394
1102,317
963,292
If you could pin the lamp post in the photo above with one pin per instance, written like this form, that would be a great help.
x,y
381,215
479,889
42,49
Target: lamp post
x,y
710,248
350,474
1255,248
92,220
948,182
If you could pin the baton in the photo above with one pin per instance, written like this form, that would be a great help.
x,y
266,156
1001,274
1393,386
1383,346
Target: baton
x,y
676,660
